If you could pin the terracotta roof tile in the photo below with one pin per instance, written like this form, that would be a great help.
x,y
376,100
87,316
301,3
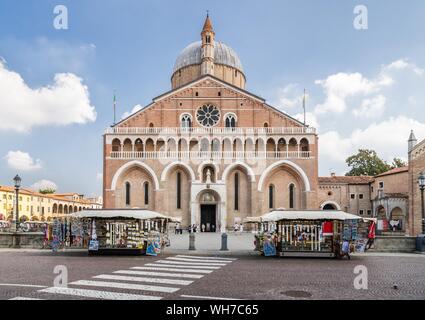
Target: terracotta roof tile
x,y
393,171
346,179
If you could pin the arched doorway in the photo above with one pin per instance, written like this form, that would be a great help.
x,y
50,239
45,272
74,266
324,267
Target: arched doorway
x,y
209,211
396,221
329,207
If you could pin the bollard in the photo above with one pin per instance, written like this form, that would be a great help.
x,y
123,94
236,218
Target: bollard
x,y
192,241
224,242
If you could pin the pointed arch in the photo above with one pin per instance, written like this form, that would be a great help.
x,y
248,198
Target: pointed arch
x,y
230,167
290,164
134,163
164,173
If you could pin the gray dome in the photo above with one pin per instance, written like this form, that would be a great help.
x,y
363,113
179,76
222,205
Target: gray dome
x,y
223,54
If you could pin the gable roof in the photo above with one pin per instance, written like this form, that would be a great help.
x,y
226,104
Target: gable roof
x,y
346,180
394,171
203,77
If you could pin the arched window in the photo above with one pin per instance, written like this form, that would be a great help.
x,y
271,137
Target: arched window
x,y
186,121
116,145
208,39
179,190
146,191
271,196
230,121
127,193
236,191
291,196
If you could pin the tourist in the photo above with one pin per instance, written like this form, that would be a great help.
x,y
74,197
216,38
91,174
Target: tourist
x,y
370,236
346,249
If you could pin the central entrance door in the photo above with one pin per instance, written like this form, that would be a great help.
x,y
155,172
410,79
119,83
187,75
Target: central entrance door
x,y
208,217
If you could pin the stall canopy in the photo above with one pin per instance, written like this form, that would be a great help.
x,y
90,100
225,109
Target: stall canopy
x,y
278,215
140,214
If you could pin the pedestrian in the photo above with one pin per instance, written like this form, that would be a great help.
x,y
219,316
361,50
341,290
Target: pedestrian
x,y
203,227
346,249
370,236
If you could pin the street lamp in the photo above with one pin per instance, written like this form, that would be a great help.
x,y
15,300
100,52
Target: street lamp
x,y
17,181
421,181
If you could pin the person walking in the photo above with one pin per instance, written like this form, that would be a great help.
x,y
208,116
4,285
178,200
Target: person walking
x,y
370,236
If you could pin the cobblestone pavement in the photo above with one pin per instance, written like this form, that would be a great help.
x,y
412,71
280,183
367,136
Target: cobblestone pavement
x,y
241,276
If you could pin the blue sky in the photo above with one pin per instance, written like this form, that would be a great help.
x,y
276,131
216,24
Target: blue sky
x,y
366,87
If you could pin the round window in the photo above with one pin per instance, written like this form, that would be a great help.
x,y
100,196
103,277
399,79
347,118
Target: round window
x,y
208,115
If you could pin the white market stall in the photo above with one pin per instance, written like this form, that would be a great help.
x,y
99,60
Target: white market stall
x,y
305,232
113,231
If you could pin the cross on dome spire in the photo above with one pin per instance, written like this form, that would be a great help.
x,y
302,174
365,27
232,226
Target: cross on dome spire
x,y
208,24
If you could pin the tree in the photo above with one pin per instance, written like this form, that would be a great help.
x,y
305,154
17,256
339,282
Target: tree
x,y
398,163
366,162
47,191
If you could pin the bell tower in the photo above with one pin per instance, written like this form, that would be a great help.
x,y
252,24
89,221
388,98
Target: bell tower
x,y
207,51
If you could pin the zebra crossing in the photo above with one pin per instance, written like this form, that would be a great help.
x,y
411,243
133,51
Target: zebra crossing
x,y
151,281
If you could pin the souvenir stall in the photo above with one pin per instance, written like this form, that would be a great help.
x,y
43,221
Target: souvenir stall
x,y
364,229
132,231
305,232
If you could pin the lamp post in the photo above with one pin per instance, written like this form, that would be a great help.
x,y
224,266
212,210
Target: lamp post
x,y
17,180
421,182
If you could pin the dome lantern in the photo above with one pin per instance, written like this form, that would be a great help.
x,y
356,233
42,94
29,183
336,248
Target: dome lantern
x,y
208,56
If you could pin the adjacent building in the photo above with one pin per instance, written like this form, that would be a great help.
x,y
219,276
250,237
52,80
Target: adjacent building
x,y
35,206
416,167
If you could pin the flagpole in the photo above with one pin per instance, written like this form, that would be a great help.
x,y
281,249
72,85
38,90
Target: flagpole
x,y
304,107
115,107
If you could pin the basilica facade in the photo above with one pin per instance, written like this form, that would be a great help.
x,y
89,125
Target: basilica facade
x,y
208,151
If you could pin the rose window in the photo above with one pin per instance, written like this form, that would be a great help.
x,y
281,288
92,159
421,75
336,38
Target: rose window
x,y
208,115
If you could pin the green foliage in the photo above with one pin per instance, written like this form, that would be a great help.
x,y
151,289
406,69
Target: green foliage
x,y
366,162
398,163
47,191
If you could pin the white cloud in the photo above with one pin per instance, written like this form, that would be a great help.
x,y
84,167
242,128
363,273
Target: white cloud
x,y
371,108
43,185
22,161
291,96
311,119
388,138
341,86
64,102
136,108
403,64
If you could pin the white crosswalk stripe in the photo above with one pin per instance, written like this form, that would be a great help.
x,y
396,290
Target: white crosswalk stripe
x,y
192,263
163,267
197,260
205,257
160,274
98,294
120,285
171,265
23,298
164,276
144,279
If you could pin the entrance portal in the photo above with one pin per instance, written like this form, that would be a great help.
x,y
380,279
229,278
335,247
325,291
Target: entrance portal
x,y
208,217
